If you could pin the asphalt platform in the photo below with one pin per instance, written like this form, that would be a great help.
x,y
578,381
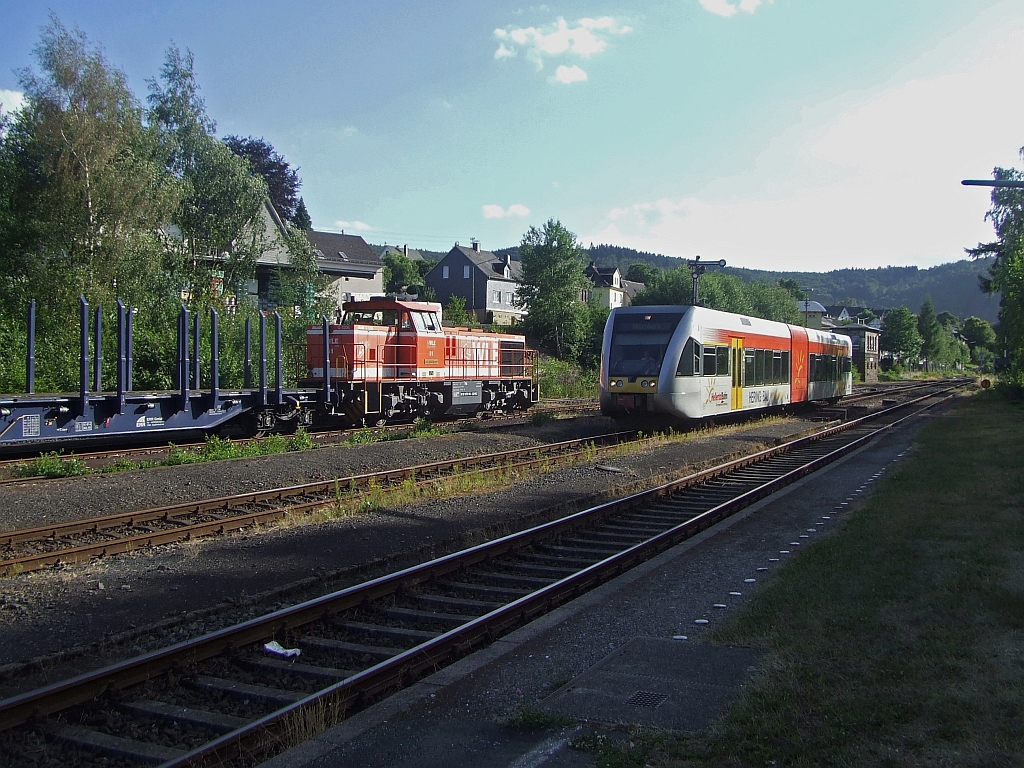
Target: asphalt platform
x,y
630,652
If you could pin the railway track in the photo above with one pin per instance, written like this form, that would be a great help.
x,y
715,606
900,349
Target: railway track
x,y
226,696
82,540
97,460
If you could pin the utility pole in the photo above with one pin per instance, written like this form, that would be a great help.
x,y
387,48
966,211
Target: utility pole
x,y
697,268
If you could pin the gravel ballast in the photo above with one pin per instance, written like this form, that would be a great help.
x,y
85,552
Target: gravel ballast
x,y
195,587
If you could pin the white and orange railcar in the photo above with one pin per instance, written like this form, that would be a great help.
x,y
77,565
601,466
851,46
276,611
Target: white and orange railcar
x,y
392,359
686,362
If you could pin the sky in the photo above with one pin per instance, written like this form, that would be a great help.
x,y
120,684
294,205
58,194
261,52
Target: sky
x,y
775,134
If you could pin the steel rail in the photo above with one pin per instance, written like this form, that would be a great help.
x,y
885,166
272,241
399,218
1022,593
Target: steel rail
x,y
322,438
410,664
279,497
399,670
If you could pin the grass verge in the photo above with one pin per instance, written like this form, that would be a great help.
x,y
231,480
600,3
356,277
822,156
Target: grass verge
x,y
900,640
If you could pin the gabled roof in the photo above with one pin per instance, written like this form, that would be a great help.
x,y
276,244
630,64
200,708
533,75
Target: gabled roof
x,y
492,265
337,251
631,287
602,277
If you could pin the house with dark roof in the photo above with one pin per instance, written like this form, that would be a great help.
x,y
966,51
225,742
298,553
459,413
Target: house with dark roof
x,y
610,289
355,269
485,281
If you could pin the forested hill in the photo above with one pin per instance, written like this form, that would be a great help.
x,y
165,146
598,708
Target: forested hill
x,y
953,287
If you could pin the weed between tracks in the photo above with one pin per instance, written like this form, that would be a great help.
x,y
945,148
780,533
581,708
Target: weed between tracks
x,y
897,641
350,500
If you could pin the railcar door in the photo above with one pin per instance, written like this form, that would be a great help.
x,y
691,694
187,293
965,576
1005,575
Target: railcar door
x,y
405,346
737,374
798,361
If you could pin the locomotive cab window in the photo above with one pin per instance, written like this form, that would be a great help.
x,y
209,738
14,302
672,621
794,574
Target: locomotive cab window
x,y
371,317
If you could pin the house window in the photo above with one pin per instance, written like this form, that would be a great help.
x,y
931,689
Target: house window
x,y
508,299
465,272
444,272
497,297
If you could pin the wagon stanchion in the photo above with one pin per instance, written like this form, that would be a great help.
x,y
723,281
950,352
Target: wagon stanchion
x,y
326,327
263,359
83,388
183,368
97,360
214,360
122,354
247,373
278,362
129,346
30,353
195,349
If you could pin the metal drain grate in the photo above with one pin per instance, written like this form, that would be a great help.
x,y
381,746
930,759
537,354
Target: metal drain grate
x,y
647,699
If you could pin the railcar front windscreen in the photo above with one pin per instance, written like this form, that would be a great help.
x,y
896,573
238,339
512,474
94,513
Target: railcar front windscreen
x,y
639,342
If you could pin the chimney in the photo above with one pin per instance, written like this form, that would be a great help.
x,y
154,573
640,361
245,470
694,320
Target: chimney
x,y
476,246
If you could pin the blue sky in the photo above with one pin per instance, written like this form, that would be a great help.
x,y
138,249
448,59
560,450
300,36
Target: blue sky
x,y
794,134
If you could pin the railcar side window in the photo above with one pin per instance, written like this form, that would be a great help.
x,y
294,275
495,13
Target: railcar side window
x,y
758,367
723,361
690,360
710,361
748,367
785,367
776,367
847,364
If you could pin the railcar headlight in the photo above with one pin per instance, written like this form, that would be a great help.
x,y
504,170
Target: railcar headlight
x,y
643,383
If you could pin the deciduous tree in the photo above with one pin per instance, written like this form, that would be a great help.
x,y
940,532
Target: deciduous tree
x,y
1006,275
553,280
282,180
219,217
900,335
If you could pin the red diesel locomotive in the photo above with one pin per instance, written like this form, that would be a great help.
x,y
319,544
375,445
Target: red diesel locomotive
x,y
392,360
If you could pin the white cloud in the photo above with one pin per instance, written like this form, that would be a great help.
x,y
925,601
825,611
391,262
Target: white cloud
x,y
568,75
865,180
587,38
11,101
515,210
358,226
349,130
726,8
